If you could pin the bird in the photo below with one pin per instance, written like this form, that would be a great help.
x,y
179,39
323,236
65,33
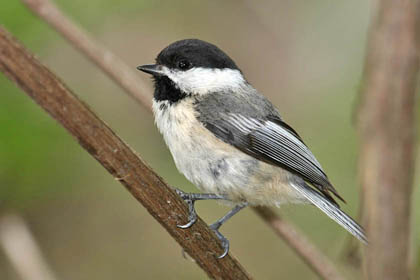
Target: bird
x,y
230,141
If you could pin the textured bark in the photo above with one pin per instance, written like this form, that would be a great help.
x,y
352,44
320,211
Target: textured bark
x,y
386,124
119,159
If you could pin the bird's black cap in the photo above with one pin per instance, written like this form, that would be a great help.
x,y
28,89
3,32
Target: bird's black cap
x,y
184,55
188,53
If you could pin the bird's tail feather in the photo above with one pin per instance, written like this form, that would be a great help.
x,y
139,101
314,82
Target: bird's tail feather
x,y
332,211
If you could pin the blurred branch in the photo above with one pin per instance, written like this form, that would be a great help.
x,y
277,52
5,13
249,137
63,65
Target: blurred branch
x,y
47,11
386,124
119,159
22,250
126,77
300,244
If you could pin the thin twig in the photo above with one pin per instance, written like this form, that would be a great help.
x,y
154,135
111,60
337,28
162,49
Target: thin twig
x,y
386,124
126,77
300,244
120,160
22,250
47,11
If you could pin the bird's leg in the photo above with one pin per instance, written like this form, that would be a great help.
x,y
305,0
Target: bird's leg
x,y
215,227
190,199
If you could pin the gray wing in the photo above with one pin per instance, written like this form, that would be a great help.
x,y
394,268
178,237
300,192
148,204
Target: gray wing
x,y
269,139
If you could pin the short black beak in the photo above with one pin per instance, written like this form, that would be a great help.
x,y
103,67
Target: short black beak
x,y
154,69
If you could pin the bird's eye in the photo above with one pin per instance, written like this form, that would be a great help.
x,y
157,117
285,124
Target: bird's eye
x,y
184,65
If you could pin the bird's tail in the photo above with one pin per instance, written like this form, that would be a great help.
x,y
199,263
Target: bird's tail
x,y
332,211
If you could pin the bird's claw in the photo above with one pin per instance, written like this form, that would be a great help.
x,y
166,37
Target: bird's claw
x,y
192,215
189,224
224,240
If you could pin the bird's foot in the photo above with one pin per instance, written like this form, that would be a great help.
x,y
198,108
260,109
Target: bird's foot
x,y
192,215
191,198
225,242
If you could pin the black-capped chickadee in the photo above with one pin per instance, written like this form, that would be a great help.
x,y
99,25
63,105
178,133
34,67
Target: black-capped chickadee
x,y
230,141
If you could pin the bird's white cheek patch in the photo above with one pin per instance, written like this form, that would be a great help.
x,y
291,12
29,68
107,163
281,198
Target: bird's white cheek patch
x,y
205,80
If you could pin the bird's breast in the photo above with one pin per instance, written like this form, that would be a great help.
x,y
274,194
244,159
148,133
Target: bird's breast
x,y
209,163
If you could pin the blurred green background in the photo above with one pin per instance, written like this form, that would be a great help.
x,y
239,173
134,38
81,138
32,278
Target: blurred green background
x,y
306,56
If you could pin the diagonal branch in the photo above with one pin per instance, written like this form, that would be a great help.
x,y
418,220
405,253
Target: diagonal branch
x,y
300,244
112,65
119,159
81,40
